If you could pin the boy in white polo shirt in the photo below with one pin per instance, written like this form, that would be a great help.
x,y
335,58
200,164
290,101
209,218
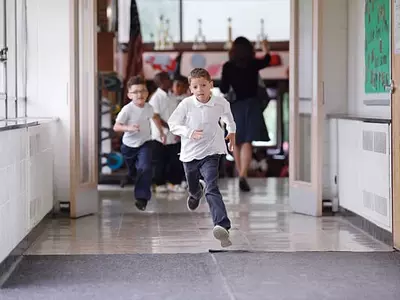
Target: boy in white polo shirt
x,y
134,120
196,120
168,170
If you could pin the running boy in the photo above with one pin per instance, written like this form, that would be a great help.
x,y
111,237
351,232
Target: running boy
x,y
134,120
168,170
196,120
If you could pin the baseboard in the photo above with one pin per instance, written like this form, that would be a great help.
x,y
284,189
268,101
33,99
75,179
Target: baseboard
x,y
367,226
8,263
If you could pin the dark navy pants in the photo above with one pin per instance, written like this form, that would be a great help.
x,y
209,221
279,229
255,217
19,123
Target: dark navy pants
x,y
208,168
140,158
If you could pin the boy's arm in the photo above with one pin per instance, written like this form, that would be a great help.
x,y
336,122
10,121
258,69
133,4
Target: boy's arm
x,y
120,123
176,122
227,118
155,103
157,121
119,127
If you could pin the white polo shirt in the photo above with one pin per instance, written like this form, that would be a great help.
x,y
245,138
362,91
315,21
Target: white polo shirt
x,y
164,105
192,115
131,114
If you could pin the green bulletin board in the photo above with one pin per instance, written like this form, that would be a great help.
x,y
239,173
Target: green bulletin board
x,y
377,45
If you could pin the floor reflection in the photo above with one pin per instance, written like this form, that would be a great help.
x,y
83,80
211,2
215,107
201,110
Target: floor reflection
x,y
261,221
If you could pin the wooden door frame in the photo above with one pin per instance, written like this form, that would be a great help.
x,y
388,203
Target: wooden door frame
x,y
317,113
75,86
395,135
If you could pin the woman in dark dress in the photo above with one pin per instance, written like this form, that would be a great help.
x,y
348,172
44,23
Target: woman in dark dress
x,y
240,81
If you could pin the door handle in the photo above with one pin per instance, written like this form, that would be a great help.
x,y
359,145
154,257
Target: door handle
x,y
390,87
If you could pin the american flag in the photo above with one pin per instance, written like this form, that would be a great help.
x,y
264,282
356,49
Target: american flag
x,y
131,42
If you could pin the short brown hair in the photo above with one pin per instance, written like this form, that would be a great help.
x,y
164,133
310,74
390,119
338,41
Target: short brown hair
x,y
199,73
161,77
135,80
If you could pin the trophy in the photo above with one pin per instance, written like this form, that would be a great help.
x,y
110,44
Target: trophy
x,y
160,42
168,42
228,43
199,39
261,36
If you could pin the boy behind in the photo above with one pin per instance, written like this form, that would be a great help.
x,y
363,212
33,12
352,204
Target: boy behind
x,y
168,169
196,120
134,121
180,88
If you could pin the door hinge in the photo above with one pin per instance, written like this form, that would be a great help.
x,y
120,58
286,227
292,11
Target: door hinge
x,y
390,87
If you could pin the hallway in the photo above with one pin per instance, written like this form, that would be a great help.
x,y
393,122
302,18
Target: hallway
x,y
261,220
164,253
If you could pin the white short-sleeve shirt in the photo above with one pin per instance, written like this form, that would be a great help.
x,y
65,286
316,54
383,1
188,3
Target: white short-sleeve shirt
x,y
132,114
191,115
163,105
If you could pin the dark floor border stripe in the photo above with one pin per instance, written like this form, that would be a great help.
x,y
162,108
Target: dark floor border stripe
x,y
8,263
216,251
367,226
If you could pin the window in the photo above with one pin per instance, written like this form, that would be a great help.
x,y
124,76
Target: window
x,y
12,59
149,13
245,15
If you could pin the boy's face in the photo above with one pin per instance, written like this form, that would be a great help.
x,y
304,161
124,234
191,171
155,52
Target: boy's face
x,y
179,88
138,94
166,84
201,88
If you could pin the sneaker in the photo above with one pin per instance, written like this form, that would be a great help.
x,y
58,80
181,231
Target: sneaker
x,y
161,189
221,234
176,188
193,203
141,204
244,185
184,184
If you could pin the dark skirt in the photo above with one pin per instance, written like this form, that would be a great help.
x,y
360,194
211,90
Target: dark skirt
x,y
250,123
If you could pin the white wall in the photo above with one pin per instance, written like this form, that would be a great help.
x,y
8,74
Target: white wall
x,y
26,174
48,77
356,67
364,170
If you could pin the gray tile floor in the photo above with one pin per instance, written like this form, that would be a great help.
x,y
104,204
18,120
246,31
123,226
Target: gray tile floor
x,y
261,221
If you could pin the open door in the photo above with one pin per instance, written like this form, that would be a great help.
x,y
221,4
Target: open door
x,y
306,107
83,139
395,103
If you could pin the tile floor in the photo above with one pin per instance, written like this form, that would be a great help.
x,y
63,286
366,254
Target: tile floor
x,y
261,221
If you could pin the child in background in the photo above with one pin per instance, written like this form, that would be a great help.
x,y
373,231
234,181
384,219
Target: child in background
x,y
196,120
167,168
134,121
180,90
259,165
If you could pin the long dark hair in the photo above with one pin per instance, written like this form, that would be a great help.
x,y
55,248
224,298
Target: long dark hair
x,y
242,51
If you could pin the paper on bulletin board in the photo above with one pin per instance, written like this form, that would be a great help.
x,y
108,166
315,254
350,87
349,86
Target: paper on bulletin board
x,y
377,45
397,26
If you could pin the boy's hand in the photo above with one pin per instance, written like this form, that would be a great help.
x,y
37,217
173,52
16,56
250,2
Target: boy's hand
x,y
133,128
231,138
163,138
197,135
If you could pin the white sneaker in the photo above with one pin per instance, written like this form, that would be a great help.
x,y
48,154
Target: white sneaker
x,y
176,188
184,184
161,189
221,234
